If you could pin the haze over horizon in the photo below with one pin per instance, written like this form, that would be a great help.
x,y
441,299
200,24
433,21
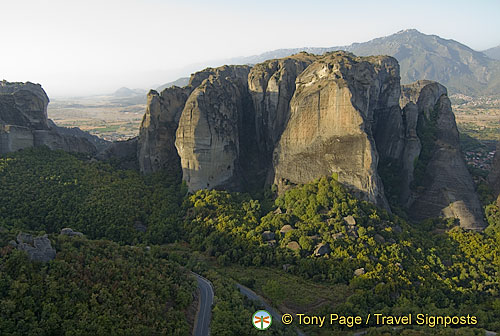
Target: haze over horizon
x,y
95,47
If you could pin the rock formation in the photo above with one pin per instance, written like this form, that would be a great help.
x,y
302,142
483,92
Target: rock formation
x,y
208,136
291,120
38,248
224,124
24,122
272,85
331,125
444,187
70,232
156,146
494,175
124,153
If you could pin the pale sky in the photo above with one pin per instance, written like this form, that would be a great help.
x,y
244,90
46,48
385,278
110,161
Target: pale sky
x,y
75,47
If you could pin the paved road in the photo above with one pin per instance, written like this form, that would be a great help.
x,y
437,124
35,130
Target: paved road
x,y
255,297
204,315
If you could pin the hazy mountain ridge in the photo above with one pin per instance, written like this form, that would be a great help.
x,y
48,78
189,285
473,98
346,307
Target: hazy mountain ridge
x,y
493,53
455,65
127,92
181,82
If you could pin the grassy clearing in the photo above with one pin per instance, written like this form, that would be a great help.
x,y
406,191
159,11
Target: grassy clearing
x,y
292,293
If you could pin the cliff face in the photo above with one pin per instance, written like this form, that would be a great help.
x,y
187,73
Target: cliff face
x,y
156,146
208,135
332,119
494,175
272,85
24,122
298,118
443,186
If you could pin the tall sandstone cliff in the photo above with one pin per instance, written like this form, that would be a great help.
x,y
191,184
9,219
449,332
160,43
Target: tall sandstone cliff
x,y
445,186
291,120
331,124
494,176
24,122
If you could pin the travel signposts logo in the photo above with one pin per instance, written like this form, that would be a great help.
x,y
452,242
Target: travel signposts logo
x,y
262,320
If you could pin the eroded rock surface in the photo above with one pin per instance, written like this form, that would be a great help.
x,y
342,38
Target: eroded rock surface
x,y
446,187
208,136
156,145
494,175
272,85
24,122
38,248
291,120
330,130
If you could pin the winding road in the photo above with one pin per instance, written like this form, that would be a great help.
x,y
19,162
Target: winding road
x,y
204,314
256,297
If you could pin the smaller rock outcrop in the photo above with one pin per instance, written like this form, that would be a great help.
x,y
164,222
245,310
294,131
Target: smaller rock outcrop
x,y
350,220
38,248
24,122
286,228
338,235
71,233
359,271
268,235
321,249
293,245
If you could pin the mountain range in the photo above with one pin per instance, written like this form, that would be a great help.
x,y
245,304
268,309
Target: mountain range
x,y
420,56
493,52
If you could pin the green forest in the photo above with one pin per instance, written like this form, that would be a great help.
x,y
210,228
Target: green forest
x,y
317,234
93,287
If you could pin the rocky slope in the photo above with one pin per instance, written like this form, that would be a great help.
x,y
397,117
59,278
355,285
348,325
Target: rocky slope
x,y
291,120
493,53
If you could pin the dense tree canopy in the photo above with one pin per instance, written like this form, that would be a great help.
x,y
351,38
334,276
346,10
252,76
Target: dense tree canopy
x,y
407,267
318,231
93,288
48,190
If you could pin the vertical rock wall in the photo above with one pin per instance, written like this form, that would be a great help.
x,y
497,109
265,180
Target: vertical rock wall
x,y
446,187
156,146
207,138
330,130
305,116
